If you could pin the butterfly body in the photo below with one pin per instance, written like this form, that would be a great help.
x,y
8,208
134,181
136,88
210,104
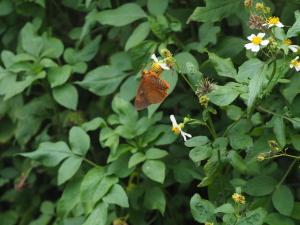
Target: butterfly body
x,y
152,90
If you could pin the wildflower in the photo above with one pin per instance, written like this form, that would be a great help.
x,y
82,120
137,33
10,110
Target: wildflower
x,y
159,65
238,198
273,21
256,42
261,157
295,63
204,100
177,128
256,22
293,48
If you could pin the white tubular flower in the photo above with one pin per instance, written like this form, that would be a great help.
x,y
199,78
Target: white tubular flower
x,y
273,21
177,128
256,42
163,65
295,63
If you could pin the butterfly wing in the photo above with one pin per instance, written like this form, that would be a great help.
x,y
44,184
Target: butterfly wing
x,y
152,90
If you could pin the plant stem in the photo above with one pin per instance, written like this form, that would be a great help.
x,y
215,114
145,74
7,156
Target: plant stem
x,y
189,83
262,109
286,173
90,162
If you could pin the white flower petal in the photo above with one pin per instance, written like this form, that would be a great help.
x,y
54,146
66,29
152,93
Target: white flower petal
x,y
255,48
297,68
294,48
291,65
185,135
154,58
265,24
164,66
251,37
264,42
296,58
173,120
279,24
249,46
261,35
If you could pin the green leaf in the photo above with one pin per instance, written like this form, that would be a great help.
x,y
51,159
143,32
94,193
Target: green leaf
x,y
129,88
52,48
68,168
208,34
296,141
277,219
6,7
279,130
138,35
225,208
157,7
155,170
50,154
66,95
79,141
202,210
196,141
155,153
240,141
93,124
136,158
283,200
237,162
58,75
103,80
30,42
260,186
295,29
223,95
255,88
296,210
155,199
98,215
123,15
254,217
117,196
248,70
69,198
200,153
292,89
224,67
215,10
234,112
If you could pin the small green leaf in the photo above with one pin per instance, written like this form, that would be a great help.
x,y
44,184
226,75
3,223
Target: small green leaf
x,y
98,215
279,130
58,75
155,153
295,29
155,199
136,158
93,124
196,141
157,7
254,217
223,95
68,168
79,141
117,196
66,95
200,153
202,210
225,208
155,170
277,219
138,35
283,200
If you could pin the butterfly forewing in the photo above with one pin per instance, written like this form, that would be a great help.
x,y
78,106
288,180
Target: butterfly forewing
x,y
152,90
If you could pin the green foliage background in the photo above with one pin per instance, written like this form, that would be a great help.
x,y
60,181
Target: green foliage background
x,y
75,151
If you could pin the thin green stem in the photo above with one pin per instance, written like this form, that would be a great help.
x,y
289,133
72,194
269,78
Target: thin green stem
x,y
286,173
90,162
262,109
189,83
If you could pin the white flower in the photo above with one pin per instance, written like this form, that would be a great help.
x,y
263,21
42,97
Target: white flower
x,y
295,63
256,42
273,21
294,48
177,128
160,62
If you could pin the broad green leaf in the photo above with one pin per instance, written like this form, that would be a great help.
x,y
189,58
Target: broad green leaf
x,y
30,42
196,141
123,15
260,186
117,196
240,141
296,141
58,75
283,200
200,153
79,141
155,170
296,210
52,47
102,188
93,124
234,112
237,162
155,199
224,67
215,10
136,158
202,210
66,95
208,34
295,29
68,168
138,35
223,95
103,80
277,219
155,153
6,7
50,154
98,215
225,208
129,88
157,7
254,217
69,198
292,89
248,70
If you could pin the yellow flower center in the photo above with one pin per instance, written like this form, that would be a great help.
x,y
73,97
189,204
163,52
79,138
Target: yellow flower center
x,y
287,42
256,40
156,67
295,63
176,130
273,20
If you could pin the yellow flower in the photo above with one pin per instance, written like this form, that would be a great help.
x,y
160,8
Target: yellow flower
x,y
273,21
238,198
295,63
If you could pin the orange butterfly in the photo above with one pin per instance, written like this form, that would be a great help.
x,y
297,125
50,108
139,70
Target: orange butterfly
x,y
152,90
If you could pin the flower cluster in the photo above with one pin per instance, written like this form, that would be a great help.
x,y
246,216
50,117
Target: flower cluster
x,y
159,65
